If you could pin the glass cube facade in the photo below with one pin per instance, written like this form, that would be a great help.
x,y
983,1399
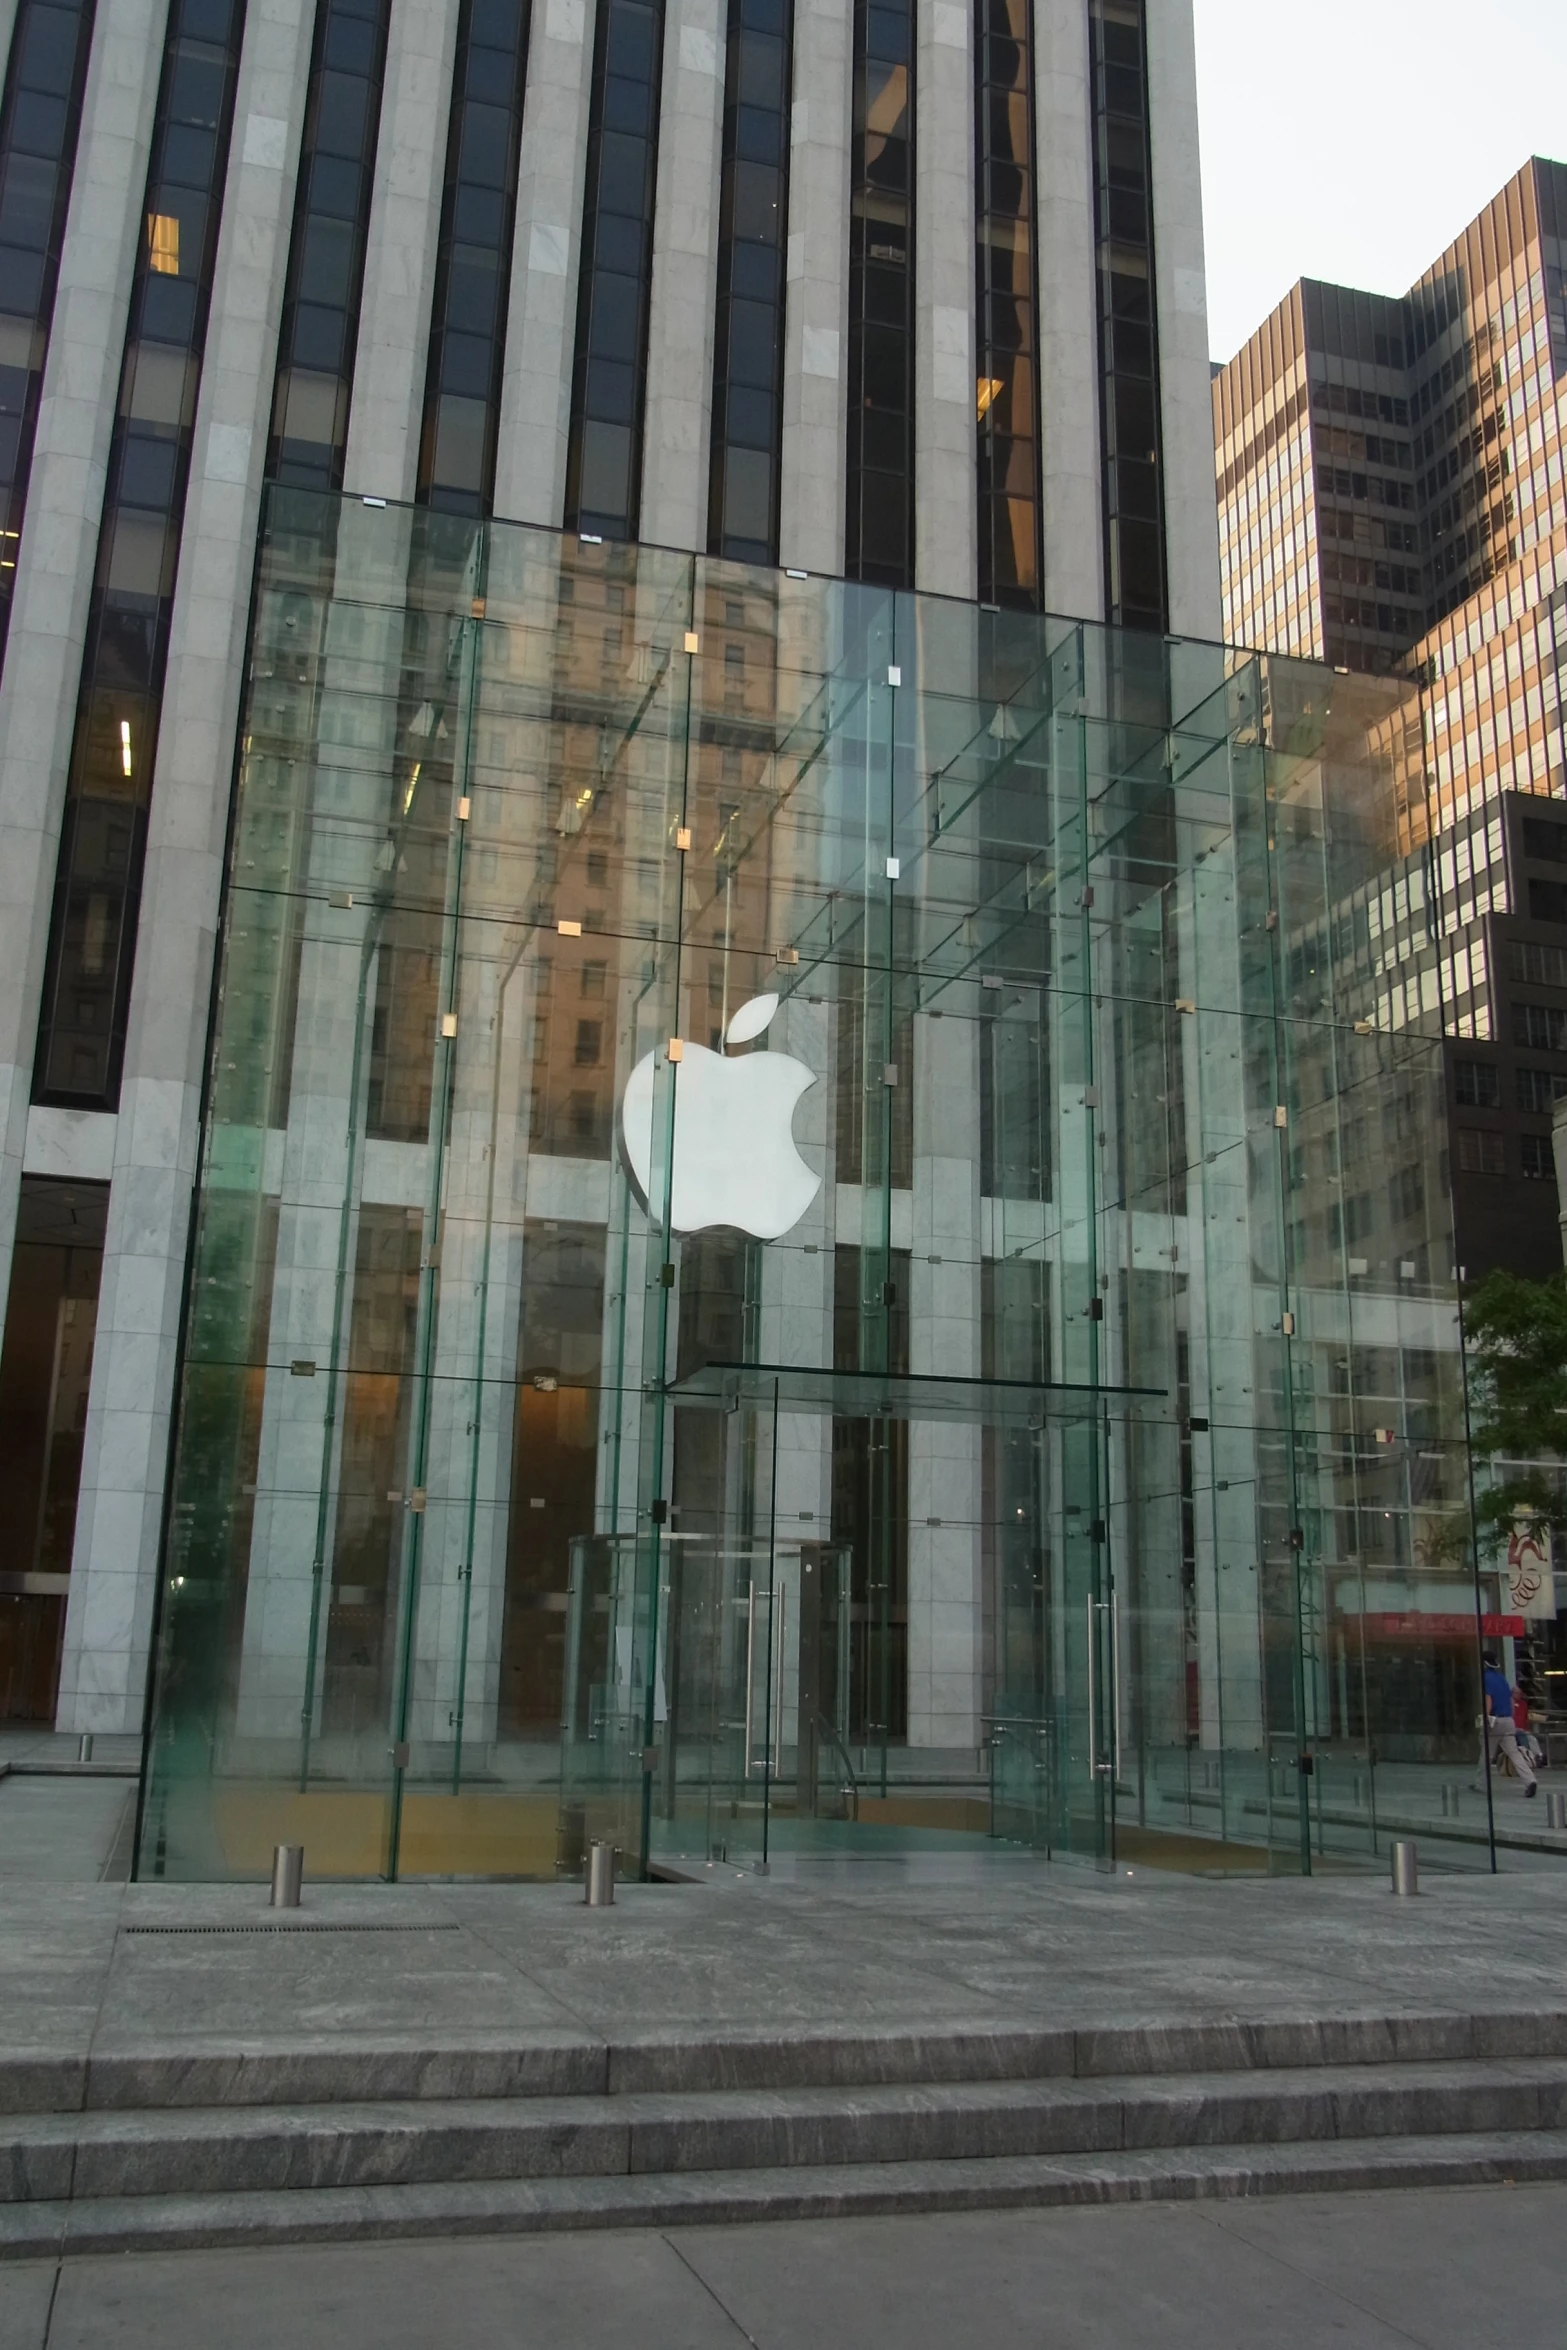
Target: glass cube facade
x,y
806,1240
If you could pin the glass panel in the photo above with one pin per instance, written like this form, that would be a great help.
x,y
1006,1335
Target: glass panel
x,y
813,1238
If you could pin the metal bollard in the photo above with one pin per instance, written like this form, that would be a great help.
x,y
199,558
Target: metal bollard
x,y
1554,1806
601,1876
1406,1867
84,1747
288,1874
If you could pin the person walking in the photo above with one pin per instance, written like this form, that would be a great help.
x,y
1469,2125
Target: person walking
x,y
1523,1730
1500,1732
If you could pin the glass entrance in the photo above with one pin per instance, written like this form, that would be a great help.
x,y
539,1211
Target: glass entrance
x,y
813,1236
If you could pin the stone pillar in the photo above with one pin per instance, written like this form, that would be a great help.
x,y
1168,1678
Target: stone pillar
x,y
392,352
114,1564
1068,315
1224,1304
462,1586
678,412
816,313
541,324
488,1183
1186,401
945,511
795,1327
59,545
323,1156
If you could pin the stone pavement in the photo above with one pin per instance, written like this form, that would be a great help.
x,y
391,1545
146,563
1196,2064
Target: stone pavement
x,y
1442,2269
66,1830
181,2068
101,1977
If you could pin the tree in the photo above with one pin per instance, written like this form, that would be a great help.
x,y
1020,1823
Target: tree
x,y
1516,1334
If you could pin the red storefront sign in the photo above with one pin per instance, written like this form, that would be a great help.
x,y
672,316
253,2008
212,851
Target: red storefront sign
x,y
1433,1627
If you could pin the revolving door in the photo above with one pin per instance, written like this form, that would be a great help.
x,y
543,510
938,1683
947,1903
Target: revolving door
x,y
739,1693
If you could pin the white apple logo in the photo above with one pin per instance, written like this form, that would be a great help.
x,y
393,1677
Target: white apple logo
x,y
735,1156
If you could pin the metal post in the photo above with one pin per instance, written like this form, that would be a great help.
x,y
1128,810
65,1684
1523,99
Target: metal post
x,y
1406,1867
288,1875
84,1747
601,1876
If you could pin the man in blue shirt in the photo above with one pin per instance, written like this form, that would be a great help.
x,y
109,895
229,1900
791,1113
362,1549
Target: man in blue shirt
x,y
1501,1736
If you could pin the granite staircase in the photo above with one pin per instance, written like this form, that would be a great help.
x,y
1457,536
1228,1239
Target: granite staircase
x,y
235,2146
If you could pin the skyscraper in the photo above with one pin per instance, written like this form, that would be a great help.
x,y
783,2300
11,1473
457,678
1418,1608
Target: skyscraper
x,y
1391,498
906,292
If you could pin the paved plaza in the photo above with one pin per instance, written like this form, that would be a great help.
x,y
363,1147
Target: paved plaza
x,y
118,1996
99,1974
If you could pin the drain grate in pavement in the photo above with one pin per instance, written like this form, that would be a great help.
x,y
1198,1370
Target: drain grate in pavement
x,y
318,1926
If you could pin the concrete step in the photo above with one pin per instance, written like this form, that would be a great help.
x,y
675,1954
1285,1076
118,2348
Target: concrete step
x,y
341,2214
179,2153
326,2070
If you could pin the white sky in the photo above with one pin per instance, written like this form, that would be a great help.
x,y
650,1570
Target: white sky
x,y
1353,139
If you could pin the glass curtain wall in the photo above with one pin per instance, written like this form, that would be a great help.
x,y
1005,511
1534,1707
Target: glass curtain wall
x,y
326,261
879,524
103,835
462,397
1006,308
604,449
753,205
806,1241
1137,590
40,116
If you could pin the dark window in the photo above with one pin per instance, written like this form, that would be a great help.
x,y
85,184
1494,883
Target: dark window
x,y
1537,1161
1407,1194
742,518
1539,1091
1542,1028
604,453
1478,1084
1005,309
879,537
462,392
1135,587
326,258
1547,900
1537,966
39,119
45,1366
98,879
1481,1151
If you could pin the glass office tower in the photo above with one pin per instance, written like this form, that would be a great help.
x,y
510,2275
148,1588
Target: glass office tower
x,y
806,1240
